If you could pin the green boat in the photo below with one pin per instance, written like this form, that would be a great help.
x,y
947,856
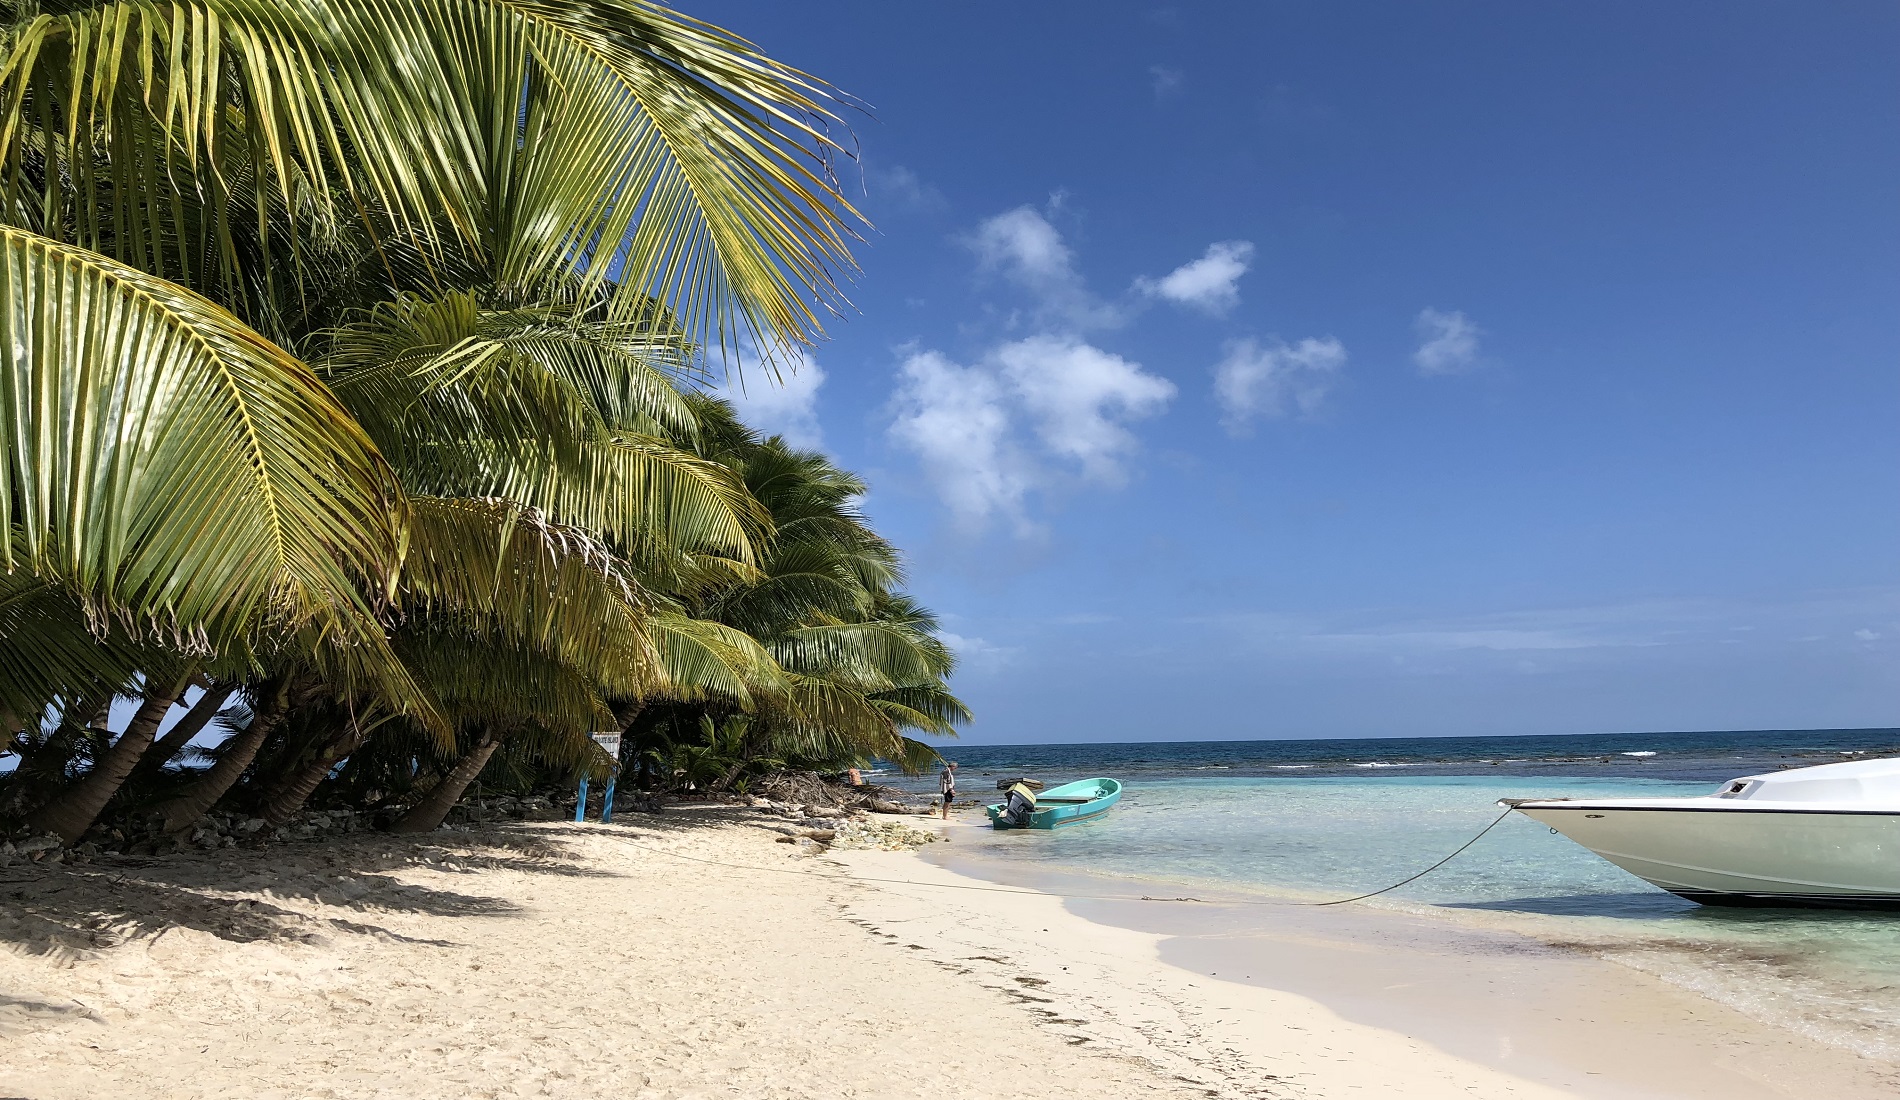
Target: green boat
x,y
1059,806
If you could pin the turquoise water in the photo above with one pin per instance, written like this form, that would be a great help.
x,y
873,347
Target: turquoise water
x,y
1835,976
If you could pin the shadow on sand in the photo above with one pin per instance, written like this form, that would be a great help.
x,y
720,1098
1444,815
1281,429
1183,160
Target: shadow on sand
x,y
266,893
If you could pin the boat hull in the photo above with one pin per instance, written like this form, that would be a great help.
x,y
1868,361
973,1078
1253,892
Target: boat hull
x,y
1736,854
1102,796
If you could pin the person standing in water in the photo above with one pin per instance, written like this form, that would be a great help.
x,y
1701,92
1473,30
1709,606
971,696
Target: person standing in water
x,y
947,786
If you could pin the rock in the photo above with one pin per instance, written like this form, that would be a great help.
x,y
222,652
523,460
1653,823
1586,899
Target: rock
x,y
251,825
33,846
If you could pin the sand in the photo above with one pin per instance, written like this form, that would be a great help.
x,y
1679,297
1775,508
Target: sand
x,y
669,956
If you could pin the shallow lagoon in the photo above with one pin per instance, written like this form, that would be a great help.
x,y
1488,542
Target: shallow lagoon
x,y
1342,827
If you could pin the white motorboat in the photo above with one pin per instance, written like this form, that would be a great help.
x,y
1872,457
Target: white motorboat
x,y
1820,836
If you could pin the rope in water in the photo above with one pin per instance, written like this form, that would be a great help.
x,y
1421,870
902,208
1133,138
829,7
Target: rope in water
x,y
1426,871
1076,897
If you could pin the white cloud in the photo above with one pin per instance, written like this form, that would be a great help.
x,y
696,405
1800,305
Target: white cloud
x,y
1866,635
1029,251
1448,342
1026,247
1210,283
1080,397
1272,380
954,420
1167,81
1033,412
786,405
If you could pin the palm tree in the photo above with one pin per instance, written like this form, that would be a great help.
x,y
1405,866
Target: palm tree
x,y
858,664
531,202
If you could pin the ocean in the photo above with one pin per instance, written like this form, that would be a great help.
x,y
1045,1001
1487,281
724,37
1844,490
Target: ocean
x,y
1323,819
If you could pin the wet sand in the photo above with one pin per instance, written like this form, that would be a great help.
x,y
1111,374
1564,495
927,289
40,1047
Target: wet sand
x,y
1552,1014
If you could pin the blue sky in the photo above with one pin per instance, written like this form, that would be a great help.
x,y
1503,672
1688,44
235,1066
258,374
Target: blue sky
x,y
1346,369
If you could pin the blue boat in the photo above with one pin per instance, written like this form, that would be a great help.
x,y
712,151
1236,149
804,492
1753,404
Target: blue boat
x,y
1059,806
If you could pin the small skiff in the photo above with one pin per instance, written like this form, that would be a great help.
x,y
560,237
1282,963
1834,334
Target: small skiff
x,y
1064,805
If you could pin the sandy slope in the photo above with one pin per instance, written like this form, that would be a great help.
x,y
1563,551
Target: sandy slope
x,y
557,960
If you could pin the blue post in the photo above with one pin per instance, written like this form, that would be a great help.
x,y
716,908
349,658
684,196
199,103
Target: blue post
x,y
580,804
607,805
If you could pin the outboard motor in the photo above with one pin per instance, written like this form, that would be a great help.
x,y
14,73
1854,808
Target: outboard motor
x,y
1020,804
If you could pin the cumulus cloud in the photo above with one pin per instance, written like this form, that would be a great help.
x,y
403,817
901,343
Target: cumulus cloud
x,y
1080,397
1023,244
1027,250
1447,342
786,405
1211,283
1033,412
954,420
1273,379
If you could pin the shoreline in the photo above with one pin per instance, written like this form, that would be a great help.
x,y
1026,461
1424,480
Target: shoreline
x,y
555,960
1554,1014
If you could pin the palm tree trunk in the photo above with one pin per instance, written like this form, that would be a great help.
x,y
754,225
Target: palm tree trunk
x,y
177,813
188,727
427,815
73,811
286,800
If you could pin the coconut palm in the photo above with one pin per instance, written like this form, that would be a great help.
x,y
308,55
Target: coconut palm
x,y
192,190
858,663
358,333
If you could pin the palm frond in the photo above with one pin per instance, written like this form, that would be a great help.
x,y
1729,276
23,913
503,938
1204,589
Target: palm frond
x,y
705,658
47,653
493,568
610,141
167,464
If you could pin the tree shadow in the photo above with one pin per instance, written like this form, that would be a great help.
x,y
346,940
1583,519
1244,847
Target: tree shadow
x,y
299,892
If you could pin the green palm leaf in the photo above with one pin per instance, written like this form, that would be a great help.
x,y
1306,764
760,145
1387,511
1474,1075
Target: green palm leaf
x,y
492,568
47,653
704,658
598,139
166,463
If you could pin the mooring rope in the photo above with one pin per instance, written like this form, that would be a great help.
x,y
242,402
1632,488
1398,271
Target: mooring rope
x,y
1426,871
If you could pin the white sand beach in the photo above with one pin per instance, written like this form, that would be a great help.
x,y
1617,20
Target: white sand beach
x,y
669,957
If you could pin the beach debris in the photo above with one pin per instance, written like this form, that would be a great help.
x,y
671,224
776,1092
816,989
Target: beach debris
x,y
871,834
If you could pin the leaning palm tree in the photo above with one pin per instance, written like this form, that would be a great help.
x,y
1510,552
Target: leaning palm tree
x,y
190,192
248,150
860,664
